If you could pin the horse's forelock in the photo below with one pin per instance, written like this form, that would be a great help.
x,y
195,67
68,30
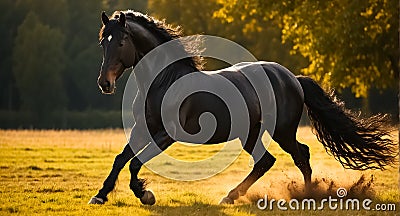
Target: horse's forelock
x,y
107,29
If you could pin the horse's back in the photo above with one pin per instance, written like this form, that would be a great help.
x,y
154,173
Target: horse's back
x,y
287,93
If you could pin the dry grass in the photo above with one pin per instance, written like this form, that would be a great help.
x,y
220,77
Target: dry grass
x,y
56,172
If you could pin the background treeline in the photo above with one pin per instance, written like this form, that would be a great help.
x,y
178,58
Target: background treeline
x,y
50,58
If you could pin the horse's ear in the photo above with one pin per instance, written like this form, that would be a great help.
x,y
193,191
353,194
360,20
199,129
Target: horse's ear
x,y
104,18
122,19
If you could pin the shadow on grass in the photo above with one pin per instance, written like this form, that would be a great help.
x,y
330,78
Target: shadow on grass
x,y
120,203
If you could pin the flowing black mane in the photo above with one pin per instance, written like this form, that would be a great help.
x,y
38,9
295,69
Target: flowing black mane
x,y
165,32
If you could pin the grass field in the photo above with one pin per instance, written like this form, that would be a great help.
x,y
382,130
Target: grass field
x,y
56,173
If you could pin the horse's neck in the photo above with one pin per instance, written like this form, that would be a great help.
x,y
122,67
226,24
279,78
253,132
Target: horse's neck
x,y
152,65
143,39
146,76
144,42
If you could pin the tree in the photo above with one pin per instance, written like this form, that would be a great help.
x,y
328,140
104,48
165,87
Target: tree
x,y
137,5
10,16
38,63
50,12
348,43
197,17
83,53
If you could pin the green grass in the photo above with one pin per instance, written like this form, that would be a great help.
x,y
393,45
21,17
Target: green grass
x,y
57,172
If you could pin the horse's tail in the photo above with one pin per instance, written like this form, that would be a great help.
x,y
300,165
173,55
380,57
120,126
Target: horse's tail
x,y
357,143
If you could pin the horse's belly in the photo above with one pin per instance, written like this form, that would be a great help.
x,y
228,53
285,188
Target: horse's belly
x,y
206,117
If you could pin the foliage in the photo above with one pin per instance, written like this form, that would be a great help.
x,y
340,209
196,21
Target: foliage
x,y
38,73
50,60
348,43
68,27
10,17
196,17
56,17
137,5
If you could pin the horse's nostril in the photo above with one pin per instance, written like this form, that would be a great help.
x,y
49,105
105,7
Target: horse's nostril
x,y
107,85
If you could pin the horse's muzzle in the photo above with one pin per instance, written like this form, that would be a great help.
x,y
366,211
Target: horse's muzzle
x,y
107,87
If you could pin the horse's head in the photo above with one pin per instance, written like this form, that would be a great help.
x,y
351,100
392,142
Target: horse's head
x,y
118,51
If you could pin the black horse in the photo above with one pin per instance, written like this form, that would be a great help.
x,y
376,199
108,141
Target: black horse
x,y
357,143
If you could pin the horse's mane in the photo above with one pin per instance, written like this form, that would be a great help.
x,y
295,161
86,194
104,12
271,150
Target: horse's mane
x,y
165,33
159,27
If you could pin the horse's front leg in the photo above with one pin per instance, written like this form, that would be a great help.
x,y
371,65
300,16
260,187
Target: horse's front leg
x,y
136,143
161,142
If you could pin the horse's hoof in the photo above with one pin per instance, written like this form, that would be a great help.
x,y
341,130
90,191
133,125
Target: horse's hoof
x,y
148,198
226,200
96,200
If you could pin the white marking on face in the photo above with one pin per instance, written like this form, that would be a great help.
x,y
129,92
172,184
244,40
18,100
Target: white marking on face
x,y
109,38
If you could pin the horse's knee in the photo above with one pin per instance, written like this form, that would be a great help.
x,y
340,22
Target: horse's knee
x,y
119,161
270,159
122,158
266,162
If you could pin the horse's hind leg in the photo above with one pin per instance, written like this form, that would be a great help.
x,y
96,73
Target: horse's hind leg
x,y
300,154
303,163
264,161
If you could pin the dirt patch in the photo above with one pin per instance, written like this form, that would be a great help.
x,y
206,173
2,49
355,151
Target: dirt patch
x,y
320,188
